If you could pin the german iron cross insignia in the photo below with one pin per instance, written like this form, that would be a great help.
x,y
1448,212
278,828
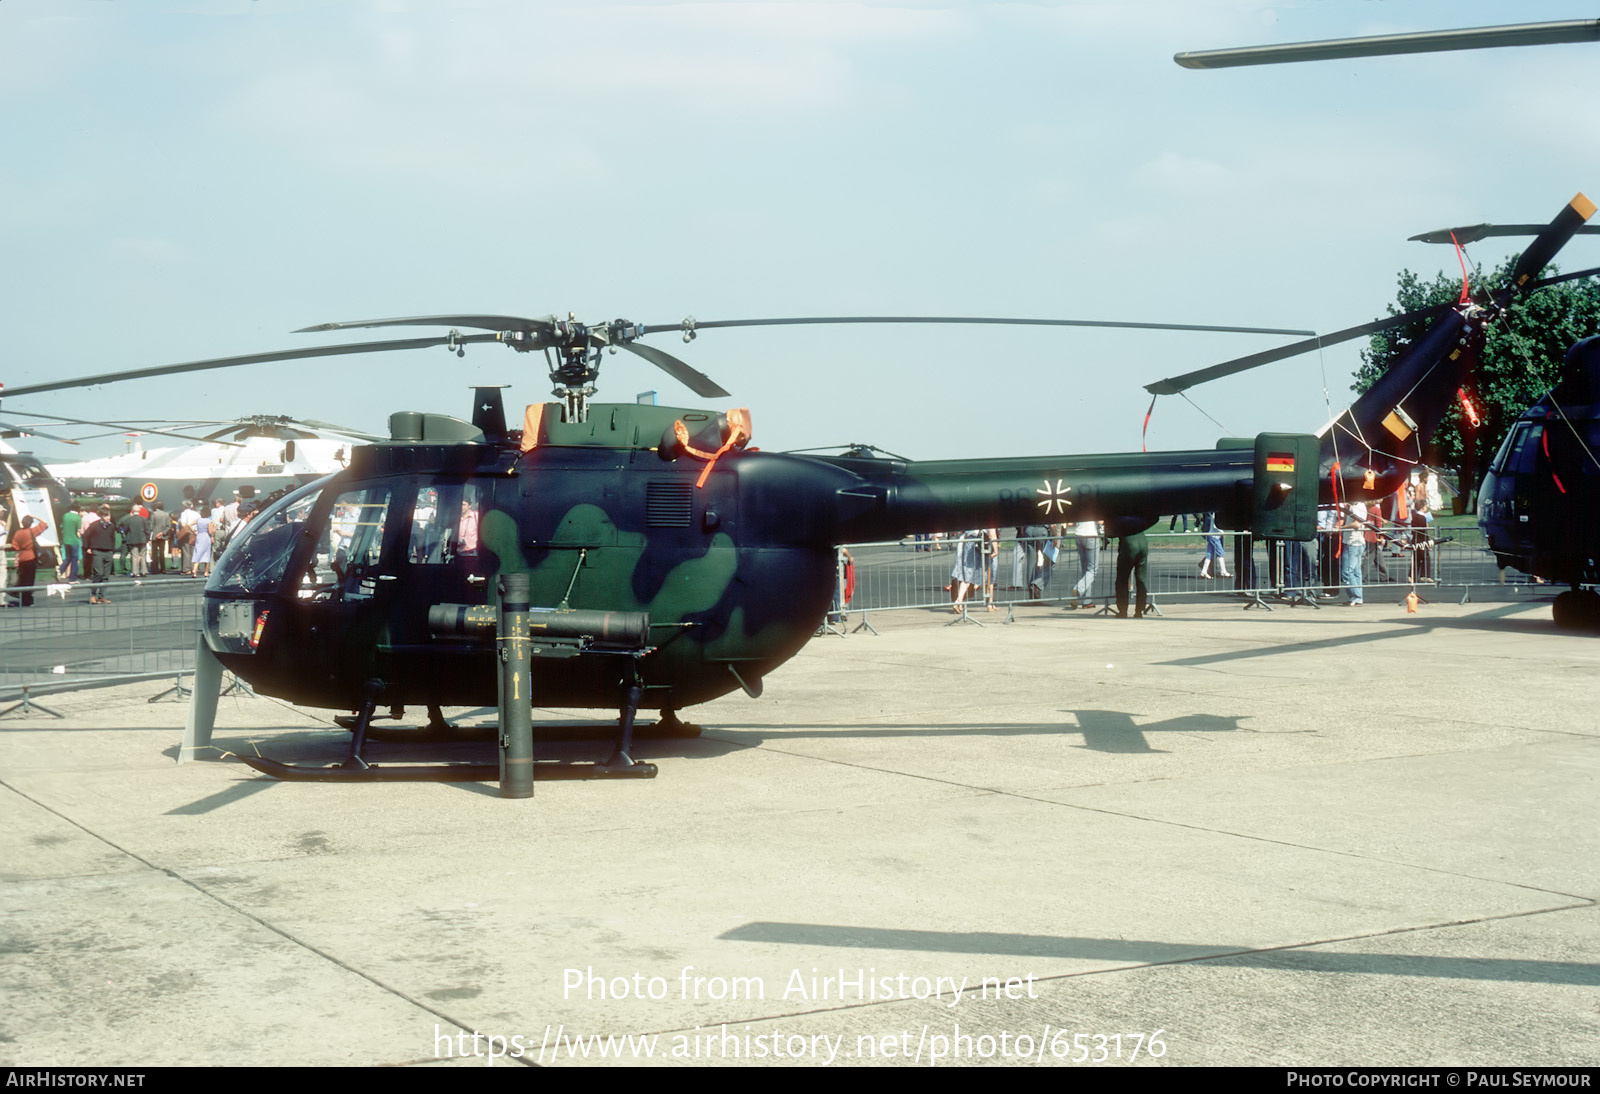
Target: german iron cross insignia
x,y
1050,497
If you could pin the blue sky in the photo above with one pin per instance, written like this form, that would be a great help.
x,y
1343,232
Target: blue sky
x,y
196,179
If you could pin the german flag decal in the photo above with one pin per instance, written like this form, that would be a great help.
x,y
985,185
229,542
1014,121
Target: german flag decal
x,y
1280,461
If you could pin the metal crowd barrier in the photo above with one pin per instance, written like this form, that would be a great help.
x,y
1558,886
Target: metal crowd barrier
x,y
63,642
916,573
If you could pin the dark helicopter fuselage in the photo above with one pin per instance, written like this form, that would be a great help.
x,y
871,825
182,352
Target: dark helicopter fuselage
x,y
1539,505
728,549
732,558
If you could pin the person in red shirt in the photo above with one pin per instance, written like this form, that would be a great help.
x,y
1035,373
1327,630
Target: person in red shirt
x,y
24,540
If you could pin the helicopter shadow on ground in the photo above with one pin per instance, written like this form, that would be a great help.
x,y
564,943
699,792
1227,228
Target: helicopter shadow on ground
x,y
1148,952
563,747
1102,730
564,751
1490,620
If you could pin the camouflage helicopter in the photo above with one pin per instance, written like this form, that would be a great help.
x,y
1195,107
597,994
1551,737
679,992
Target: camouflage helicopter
x,y
325,596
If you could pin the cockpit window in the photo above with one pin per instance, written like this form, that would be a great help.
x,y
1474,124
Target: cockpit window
x,y
31,473
1516,452
444,524
1528,446
258,551
355,534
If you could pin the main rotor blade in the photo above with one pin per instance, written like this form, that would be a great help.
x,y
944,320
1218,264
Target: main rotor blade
x,y
30,431
696,325
1556,280
483,322
1174,384
693,379
360,434
247,359
1519,34
121,427
1551,239
1475,232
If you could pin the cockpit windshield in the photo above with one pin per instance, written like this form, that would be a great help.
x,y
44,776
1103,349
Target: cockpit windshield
x,y
258,550
27,471
343,562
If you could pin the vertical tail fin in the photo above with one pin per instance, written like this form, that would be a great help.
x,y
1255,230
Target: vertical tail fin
x,y
1386,430
1377,440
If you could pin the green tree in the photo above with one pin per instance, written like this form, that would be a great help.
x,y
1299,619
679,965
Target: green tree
x,y
1521,360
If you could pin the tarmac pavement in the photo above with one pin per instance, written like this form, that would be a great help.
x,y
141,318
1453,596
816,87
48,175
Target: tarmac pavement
x,y
1339,837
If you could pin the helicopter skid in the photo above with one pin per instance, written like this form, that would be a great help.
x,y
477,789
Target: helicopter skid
x,y
662,728
581,731
444,773
455,773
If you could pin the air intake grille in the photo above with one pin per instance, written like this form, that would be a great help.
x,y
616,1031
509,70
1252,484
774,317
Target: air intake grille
x,y
669,505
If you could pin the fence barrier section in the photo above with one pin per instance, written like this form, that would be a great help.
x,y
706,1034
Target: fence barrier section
x,y
62,641
921,572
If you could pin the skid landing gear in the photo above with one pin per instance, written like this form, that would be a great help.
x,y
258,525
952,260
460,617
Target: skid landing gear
x,y
436,726
622,765
376,773
436,730
562,634
356,768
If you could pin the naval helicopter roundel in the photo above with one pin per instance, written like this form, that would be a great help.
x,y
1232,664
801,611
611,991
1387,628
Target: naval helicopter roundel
x,y
330,594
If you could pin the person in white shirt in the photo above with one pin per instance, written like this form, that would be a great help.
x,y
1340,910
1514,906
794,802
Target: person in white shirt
x,y
1087,534
188,526
1354,547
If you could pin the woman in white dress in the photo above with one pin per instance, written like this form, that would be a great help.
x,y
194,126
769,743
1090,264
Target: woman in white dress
x,y
202,546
